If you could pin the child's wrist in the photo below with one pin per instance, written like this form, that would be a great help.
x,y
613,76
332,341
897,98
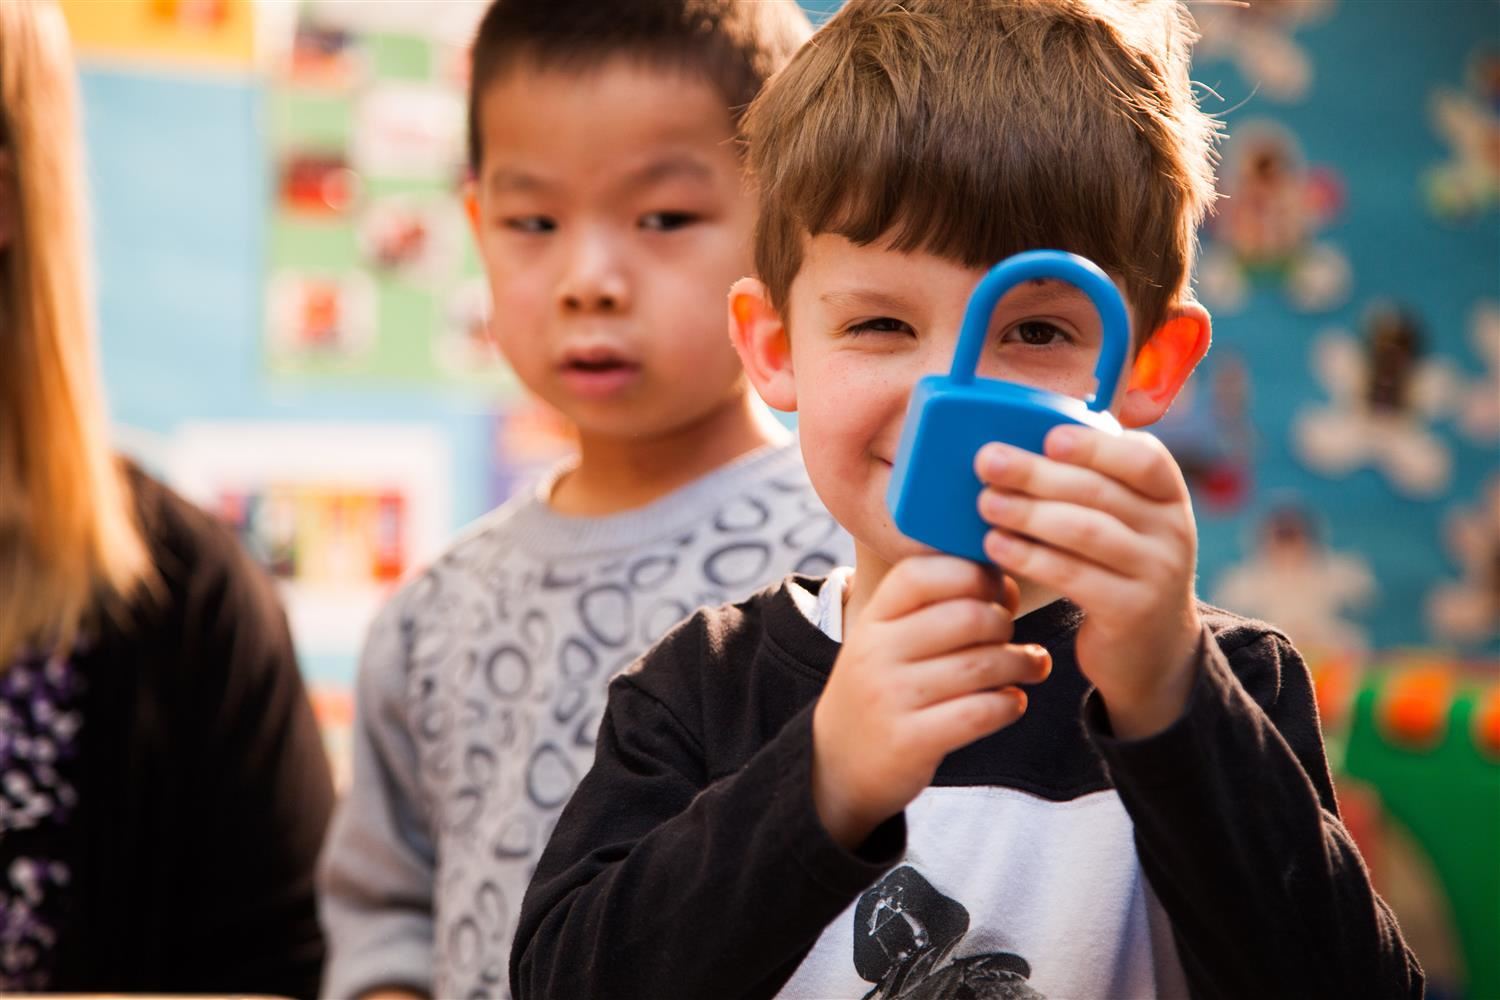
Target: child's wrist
x,y
1139,711
842,820
1141,717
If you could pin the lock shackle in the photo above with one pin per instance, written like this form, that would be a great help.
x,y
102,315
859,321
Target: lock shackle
x,y
1077,271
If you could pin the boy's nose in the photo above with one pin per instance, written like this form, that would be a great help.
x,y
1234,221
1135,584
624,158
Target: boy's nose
x,y
590,300
595,282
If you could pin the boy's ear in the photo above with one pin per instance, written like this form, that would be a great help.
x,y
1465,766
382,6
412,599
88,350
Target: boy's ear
x,y
760,338
471,207
1163,364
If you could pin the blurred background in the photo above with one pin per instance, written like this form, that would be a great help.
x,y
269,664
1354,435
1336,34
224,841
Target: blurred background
x,y
293,323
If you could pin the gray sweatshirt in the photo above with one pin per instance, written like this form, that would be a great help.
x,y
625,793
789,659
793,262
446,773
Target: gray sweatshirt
x,y
479,695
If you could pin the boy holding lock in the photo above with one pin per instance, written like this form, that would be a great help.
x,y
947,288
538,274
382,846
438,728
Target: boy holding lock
x,y
926,778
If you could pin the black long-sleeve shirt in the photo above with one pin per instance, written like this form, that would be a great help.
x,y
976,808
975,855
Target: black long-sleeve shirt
x,y
203,787
1048,859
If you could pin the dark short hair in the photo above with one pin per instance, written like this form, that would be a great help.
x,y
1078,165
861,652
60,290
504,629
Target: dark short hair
x,y
733,44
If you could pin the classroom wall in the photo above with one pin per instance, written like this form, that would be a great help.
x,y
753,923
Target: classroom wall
x,y
1342,438
183,169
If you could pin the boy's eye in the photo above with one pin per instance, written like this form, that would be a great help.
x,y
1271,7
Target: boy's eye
x,y
1037,333
529,224
880,324
667,221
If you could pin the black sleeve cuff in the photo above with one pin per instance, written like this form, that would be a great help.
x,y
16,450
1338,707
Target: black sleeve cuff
x,y
1162,756
837,869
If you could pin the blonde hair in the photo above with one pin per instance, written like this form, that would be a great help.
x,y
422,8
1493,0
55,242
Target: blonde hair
x,y
70,546
974,129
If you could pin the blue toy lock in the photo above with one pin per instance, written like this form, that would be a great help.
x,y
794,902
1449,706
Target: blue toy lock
x,y
934,491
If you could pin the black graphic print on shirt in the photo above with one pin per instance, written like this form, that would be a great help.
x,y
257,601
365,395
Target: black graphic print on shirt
x,y
904,931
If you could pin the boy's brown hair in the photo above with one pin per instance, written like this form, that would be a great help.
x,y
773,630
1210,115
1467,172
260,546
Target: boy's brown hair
x,y
974,129
734,45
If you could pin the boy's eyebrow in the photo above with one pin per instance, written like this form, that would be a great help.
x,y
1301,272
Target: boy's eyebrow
x,y
668,168
1041,292
512,179
863,298
1034,294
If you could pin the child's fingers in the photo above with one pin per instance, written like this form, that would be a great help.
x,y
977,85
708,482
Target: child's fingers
x,y
981,668
1010,593
1089,533
947,626
1005,468
922,580
1136,459
957,722
1081,581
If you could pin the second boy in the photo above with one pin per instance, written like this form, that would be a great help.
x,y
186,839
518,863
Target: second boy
x,y
612,216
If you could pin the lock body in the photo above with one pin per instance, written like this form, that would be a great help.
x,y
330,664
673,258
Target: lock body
x,y
934,491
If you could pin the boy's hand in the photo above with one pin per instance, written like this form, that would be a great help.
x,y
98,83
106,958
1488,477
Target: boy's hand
x,y
928,670
1105,520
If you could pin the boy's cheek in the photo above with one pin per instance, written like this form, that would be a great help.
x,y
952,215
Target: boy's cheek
x,y
843,455
517,286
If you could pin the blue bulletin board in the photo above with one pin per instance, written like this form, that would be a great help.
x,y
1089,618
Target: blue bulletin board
x,y
1375,156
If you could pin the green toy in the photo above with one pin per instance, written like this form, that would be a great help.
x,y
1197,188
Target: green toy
x,y
1446,791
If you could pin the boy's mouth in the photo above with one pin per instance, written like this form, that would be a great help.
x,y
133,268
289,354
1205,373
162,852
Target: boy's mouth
x,y
598,371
